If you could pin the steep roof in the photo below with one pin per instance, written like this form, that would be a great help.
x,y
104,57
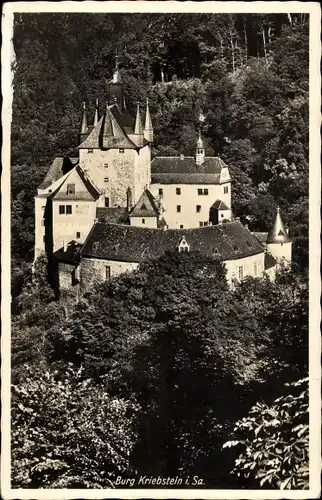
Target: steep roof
x,y
59,167
135,244
146,206
220,205
173,169
112,131
262,237
90,193
269,261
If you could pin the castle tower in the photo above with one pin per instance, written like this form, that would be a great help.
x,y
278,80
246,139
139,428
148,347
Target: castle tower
x,y
278,240
115,88
200,151
84,127
148,128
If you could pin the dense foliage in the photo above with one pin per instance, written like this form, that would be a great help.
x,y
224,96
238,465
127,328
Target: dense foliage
x,y
68,432
194,354
242,78
274,440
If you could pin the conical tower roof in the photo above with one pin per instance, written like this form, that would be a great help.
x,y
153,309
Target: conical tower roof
x,y
148,121
278,233
138,128
84,127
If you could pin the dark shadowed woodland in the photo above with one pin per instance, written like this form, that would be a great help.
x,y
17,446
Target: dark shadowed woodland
x,y
165,371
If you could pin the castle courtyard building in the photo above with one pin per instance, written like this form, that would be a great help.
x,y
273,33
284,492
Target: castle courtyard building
x,y
111,206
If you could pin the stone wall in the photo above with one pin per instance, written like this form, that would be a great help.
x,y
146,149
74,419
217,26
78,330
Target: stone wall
x,y
95,271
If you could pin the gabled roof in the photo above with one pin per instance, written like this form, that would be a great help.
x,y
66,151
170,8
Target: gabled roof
x,y
90,193
220,205
173,169
59,167
135,244
146,206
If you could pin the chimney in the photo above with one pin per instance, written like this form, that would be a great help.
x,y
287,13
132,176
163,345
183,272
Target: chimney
x,y
181,156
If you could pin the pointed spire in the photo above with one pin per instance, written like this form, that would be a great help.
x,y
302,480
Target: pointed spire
x,y
278,233
96,114
148,127
108,129
84,127
138,128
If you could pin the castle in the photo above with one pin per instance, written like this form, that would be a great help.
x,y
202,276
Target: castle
x,y
109,208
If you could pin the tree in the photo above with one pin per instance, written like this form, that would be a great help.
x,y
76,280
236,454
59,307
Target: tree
x,y
273,441
68,432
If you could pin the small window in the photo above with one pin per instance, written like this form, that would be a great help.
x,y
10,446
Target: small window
x,y
240,272
61,209
222,215
205,223
107,202
205,191
200,224
198,209
178,208
225,189
235,247
143,206
143,221
70,188
107,273
77,235
199,192
255,269
42,222
90,151
178,190
160,192
181,226
121,150
215,251
43,208
68,209
105,165
106,179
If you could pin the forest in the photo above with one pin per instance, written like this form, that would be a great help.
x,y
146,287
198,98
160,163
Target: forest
x,y
164,371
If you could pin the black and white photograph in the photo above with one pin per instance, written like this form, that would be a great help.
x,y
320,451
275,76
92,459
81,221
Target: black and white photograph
x,y
160,250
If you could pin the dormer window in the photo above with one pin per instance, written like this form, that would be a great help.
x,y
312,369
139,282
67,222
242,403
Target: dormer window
x,y
183,245
215,251
235,247
70,188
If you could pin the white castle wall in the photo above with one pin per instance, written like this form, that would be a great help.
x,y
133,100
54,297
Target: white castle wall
x,y
188,200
